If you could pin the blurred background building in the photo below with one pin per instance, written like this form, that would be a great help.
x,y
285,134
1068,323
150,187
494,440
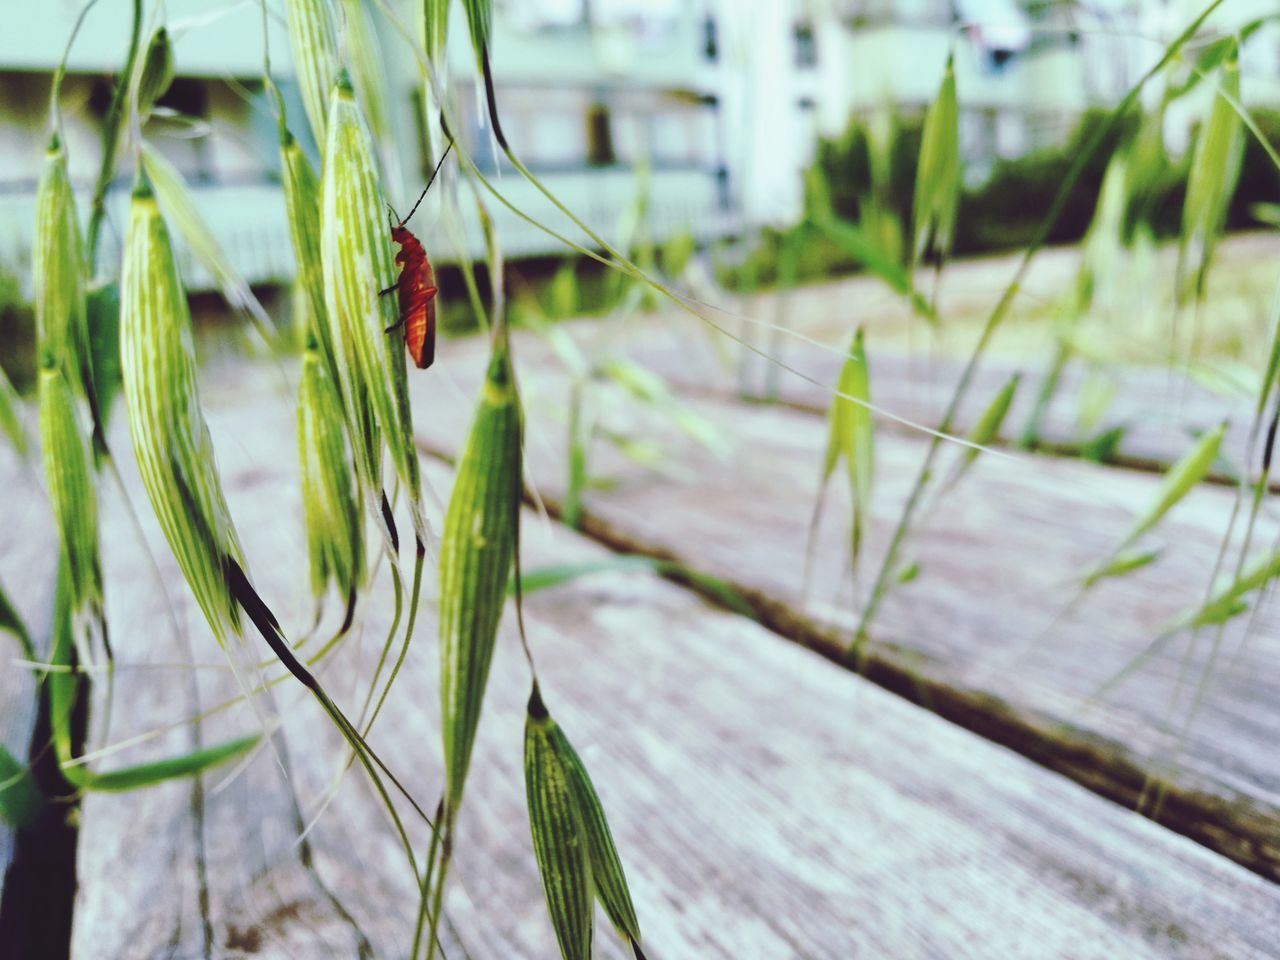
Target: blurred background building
x,y
721,102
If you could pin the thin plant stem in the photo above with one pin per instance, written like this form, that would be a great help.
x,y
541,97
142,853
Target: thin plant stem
x,y
111,138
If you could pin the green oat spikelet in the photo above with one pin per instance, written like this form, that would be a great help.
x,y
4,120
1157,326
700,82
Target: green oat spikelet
x,y
571,836
333,520
851,436
937,189
1229,600
435,31
58,269
302,200
69,474
559,837
355,253
170,437
986,430
477,549
157,71
1215,169
480,24
313,40
1178,481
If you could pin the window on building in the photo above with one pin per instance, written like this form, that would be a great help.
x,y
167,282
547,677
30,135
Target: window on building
x,y
178,129
806,45
188,96
600,152
710,39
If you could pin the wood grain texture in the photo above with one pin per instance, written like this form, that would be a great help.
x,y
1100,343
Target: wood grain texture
x,y
974,637
1160,411
766,804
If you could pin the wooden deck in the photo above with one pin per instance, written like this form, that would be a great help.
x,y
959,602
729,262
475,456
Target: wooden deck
x,y
961,800
972,637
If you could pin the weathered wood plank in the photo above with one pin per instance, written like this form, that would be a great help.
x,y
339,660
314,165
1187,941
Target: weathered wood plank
x,y
970,637
1159,410
766,804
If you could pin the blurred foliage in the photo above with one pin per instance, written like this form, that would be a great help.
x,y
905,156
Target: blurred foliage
x,y
17,333
1005,211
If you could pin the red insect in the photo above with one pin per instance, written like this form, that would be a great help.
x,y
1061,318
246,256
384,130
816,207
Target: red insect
x,y
416,286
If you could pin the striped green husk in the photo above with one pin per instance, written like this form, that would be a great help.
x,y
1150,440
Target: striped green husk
x,y
606,866
332,513
170,437
302,205
477,548
435,31
365,58
157,71
561,838
71,491
937,189
560,841
479,22
58,269
180,209
356,257
314,42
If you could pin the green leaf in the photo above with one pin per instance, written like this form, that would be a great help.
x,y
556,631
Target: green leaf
x,y
20,798
546,578
10,424
1123,563
909,572
1104,447
1228,602
1180,479
858,244
11,621
148,774
986,430
103,308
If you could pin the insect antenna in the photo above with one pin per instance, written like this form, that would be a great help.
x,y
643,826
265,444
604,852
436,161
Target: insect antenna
x,y
429,183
